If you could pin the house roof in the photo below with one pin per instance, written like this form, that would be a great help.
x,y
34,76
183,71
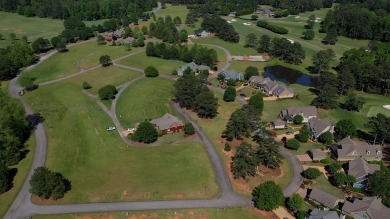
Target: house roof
x,y
348,147
166,121
323,197
128,40
267,11
200,31
318,126
256,79
317,153
317,214
282,90
232,74
371,205
360,168
193,66
279,123
269,86
307,111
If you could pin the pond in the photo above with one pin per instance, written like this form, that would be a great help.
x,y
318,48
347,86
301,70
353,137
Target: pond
x,y
289,76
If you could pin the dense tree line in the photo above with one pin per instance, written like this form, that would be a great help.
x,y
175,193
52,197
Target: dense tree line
x,y
297,6
165,29
272,27
83,9
221,27
359,20
199,54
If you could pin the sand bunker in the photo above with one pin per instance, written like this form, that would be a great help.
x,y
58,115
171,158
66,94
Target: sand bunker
x,y
387,107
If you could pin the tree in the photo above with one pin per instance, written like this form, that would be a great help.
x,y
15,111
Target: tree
x,y
100,40
86,86
298,119
49,184
251,71
187,88
254,17
238,125
229,94
5,178
59,44
264,44
308,34
177,21
293,144
380,126
303,135
322,59
340,179
27,83
105,60
353,103
268,196
294,203
311,173
333,168
40,45
251,40
244,161
107,92
206,104
183,35
344,128
145,133
227,147
268,152
331,36
151,71
379,183
256,103
327,96
231,82
326,138
189,129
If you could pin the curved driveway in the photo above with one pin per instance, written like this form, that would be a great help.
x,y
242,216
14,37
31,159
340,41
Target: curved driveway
x,y
23,207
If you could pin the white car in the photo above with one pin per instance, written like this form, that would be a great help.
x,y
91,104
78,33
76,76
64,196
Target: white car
x,y
131,130
111,128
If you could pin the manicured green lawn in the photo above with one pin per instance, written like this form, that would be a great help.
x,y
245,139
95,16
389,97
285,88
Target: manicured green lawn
x,y
142,61
324,184
32,27
147,98
78,57
103,76
222,213
23,167
307,146
101,166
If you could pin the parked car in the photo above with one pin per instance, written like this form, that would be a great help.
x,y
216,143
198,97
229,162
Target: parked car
x,y
289,132
111,128
131,130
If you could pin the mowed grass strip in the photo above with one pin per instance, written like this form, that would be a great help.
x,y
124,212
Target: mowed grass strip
x,y
147,98
79,57
142,61
32,27
23,167
103,76
101,167
222,213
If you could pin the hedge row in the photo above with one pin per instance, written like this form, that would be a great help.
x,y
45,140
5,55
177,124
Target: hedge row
x,y
272,27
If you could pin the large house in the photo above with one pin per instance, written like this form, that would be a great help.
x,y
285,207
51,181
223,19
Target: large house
x,y
347,149
306,112
360,168
168,123
366,208
202,33
318,214
194,68
323,198
270,87
319,126
232,74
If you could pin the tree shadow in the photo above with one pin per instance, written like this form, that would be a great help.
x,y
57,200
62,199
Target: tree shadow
x,y
314,91
34,119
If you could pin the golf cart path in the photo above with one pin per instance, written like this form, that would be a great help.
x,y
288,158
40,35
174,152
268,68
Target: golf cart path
x,y
23,207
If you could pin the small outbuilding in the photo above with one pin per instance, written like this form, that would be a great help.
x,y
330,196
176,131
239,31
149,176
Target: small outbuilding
x,y
317,154
279,124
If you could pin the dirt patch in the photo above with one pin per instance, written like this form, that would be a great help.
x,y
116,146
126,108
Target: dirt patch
x,y
125,193
265,214
180,196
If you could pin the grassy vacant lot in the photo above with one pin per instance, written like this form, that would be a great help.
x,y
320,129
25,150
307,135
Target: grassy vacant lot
x,y
307,146
103,76
147,98
222,213
101,166
82,56
142,61
32,27
23,167
324,184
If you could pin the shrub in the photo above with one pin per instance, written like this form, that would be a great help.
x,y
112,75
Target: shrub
x,y
231,82
311,173
108,92
300,215
86,85
189,129
293,144
326,138
294,203
303,135
174,72
151,71
298,119
229,94
254,17
228,147
326,160
333,168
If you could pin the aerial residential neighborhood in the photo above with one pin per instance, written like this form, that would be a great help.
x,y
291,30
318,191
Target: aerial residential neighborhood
x,y
194,109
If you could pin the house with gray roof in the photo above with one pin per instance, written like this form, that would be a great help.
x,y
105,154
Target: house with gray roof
x,y
279,124
317,154
270,87
306,112
348,149
366,208
168,123
319,126
360,168
323,198
282,91
202,33
318,214
232,74
194,68
257,81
